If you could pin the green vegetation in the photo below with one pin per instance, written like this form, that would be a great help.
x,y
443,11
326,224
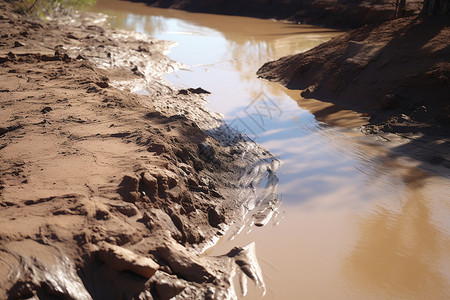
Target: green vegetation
x,y
40,8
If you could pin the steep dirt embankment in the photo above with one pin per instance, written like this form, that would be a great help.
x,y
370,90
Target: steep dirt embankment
x,y
106,194
397,73
332,13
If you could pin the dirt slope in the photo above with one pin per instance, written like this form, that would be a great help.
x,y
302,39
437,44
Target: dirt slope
x,y
101,195
397,73
331,13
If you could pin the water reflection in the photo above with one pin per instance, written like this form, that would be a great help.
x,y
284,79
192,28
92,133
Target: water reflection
x,y
359,222
400,251
253,41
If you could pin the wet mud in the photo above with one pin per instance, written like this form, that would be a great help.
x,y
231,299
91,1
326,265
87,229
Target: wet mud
x,y
109,194
333,179
395,74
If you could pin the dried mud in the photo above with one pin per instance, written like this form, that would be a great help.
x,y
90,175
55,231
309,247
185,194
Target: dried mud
x,y
110,194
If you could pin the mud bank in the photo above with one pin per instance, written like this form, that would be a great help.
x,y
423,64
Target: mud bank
x,y
330,13
109,194
397,73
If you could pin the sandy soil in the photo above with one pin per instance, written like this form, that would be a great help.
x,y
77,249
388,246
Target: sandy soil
x,y
107,194
397,74
330,13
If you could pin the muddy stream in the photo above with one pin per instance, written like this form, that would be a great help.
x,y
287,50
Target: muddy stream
x,y
356,221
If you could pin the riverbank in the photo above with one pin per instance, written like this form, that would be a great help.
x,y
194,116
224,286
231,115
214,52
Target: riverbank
x,y
397,74
110,194
329,13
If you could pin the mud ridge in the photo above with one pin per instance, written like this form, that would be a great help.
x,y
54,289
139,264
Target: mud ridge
x,y
396,73
113,182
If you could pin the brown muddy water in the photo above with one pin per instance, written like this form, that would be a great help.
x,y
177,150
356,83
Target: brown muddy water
x,y
356,221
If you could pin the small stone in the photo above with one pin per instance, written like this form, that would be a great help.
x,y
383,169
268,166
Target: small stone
x,y
92,89
186,168
102,84
46,109
127,209
129,188
122,259
214,217
157,220
18,44
215,194
150,182
157,148
192,182
167,288
73,37
166,179
101,214
184,263
206,151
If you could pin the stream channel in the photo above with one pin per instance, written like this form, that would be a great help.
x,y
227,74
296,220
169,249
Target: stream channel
x,y
356,221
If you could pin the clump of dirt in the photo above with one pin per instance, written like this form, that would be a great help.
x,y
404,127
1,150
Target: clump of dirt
x,y
108,194
397,73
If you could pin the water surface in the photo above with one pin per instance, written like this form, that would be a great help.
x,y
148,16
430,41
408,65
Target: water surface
x,y
357,222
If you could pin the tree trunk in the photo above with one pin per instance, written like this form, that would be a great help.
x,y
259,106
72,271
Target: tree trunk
x,y
400,8
436,7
